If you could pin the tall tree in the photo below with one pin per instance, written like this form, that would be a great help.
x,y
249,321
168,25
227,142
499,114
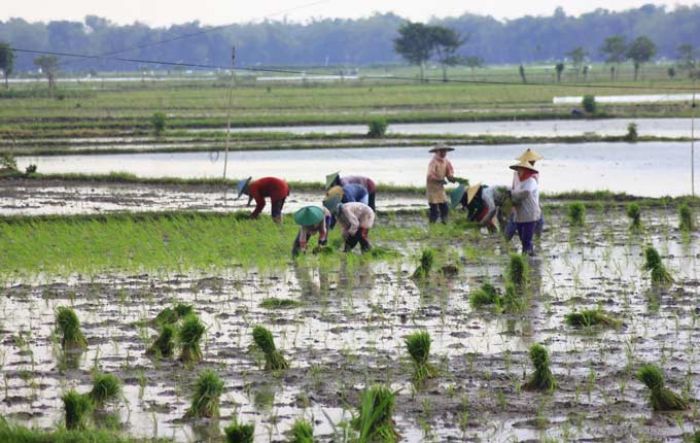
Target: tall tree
x,y
641,51
49,66
7,61
446,42
578,56
686,56
614,49
415,44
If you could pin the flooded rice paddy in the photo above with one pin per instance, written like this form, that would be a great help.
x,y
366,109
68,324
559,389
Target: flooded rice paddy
x,y
349,329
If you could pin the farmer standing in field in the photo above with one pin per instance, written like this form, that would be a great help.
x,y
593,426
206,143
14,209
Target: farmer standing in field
x,y
336,180
312,220
356,219
526,201
440,171
352,192
531,157
484,204
274,188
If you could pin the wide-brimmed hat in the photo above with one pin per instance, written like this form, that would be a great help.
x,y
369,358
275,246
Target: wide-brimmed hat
x,y
308,216
524,164
529,155
332,204
335,191
456,195
441,147
242,186
330,179
472,191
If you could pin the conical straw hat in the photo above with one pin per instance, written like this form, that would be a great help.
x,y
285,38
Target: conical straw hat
x,y
308,216
529,155
524,165
471,192
242,186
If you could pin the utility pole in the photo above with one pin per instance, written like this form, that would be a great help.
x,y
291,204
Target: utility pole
x,y
692,139
228,112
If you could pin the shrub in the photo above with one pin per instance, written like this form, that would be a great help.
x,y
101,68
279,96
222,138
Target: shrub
x,y
377,127
542,379
589,104
205,401
662,399
273,358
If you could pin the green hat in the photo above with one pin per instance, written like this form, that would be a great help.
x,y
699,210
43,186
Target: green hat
x,y
456,195
332,203
308,216
330,178
242,186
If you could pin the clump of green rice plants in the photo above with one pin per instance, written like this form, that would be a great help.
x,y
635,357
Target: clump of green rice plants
x,y
418,345
172,315
662,398
542,379
634,213
302,432
374,420
77,407
659,274
591,317
427,258
105,388
274,360
238,432
279,303
577,214
377,127
189,336
487,294
164,345
517,272
512,301
686,220
205,401
68,325
696,438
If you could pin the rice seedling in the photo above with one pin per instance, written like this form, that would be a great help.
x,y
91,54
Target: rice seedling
x,y
517,272
240,433
634,213
686,220
427,259
659,274
576,213
487,294
273,358
662,398
302,432
511,300
68,326
172,315
374,420
77,407
418,345
189,336
105,387
164,345
542,379
591,317
279,303
205,401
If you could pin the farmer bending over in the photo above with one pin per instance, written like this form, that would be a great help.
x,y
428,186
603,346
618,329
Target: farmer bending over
x,y
312,220
336,180
347,194
484,204
356,219
274,188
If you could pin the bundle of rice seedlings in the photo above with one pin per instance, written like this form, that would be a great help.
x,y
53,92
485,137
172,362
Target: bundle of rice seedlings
x,y
517,272
205,401
577,213
591,317
105,387
374,419
686,221
77,407
240,433
512,301
542,379
418,345
172,315
487,294
662,398
273,358
659,274
164,345
634,213
189,337
68,326
302,432
427,259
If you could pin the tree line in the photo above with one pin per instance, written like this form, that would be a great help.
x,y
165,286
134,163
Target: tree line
x,y
372,40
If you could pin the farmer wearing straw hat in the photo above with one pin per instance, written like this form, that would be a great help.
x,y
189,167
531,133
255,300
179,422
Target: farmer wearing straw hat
x,y
356,219
312,220
530,156
440,171
335,179
274,188
484,204
526,201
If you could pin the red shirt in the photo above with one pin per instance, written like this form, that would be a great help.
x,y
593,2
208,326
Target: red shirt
x,y
273,187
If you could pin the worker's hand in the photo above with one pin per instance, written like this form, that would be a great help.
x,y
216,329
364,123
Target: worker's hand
x,y
451,179
322,242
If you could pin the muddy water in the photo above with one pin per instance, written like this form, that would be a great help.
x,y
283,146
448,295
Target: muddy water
x,y
349,332
645,169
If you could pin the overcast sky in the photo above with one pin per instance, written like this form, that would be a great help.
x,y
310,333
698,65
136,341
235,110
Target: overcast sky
x,y
217,12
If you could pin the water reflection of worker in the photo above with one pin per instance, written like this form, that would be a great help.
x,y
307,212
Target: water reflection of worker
x,y
347,194
274,188
440,170
356,219
336,180
312,220
531,157
484,204
526,201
